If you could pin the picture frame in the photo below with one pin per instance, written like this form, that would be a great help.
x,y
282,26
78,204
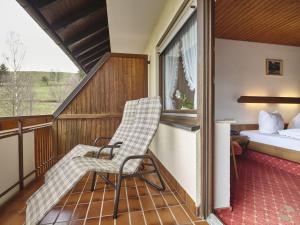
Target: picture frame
x,y
274,67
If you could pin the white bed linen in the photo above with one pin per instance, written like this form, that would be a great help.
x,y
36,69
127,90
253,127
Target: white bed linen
x,y
272,139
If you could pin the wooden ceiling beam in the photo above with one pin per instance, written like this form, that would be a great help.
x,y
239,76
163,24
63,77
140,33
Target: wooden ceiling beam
x,y
93,56
41,4
93,61
67,21
89,46
93,52
86,33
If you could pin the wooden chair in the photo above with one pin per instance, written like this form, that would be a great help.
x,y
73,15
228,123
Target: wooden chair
x,y
236,149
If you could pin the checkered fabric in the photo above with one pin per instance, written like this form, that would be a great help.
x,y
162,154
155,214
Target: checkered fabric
x,y
81,150
135,142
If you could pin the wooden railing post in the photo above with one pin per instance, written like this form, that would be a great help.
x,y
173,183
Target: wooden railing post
x,y
20,151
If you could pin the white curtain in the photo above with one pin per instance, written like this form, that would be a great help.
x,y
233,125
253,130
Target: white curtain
x,y
188,39
171,72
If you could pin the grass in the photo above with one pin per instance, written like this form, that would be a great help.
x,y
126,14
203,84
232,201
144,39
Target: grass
x,y
45,91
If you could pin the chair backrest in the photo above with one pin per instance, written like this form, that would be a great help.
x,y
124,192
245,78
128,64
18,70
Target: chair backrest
x,y
148,112
128,117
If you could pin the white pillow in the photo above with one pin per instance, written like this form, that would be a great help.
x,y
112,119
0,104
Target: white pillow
x,y
270,123
295,122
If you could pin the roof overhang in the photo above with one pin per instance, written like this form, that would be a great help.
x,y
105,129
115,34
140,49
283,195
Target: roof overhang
x,y
79,27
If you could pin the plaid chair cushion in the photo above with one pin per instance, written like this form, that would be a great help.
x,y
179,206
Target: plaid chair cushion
x,y
135,142
81,150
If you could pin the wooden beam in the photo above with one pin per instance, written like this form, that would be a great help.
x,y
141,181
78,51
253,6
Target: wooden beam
x,y
86,33
44,3
89,46
95,55
20,153
89,116
91,52
67,21
94,60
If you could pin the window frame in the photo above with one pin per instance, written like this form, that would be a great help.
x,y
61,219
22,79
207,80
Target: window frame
x,y
187,114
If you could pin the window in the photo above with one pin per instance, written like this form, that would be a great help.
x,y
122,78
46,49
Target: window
x,y
179,69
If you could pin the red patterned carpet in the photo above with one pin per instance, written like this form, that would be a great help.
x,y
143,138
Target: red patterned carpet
x,y
267,192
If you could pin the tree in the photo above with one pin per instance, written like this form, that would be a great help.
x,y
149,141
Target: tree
x,y
45,80
18,89
55,76
81,74
3,72
61,90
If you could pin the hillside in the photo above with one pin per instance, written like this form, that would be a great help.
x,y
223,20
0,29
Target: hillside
x,y
49,89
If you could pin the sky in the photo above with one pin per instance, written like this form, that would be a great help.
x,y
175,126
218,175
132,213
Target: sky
x,y
42,54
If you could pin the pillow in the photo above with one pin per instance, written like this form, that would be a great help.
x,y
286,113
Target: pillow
x,y
295,122
270,123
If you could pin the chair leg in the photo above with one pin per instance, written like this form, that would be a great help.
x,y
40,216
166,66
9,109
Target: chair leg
x,y
234,164
117,197
162,186
94,182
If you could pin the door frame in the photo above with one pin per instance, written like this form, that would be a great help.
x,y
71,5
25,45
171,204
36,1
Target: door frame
x,y
205,65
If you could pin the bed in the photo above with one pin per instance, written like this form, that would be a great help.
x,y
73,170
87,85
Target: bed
x,y
274,144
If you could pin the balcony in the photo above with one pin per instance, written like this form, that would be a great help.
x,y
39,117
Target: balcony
x,y
33,139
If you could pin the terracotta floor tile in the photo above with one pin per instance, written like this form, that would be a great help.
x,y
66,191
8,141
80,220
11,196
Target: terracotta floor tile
x,y
107,220
97,196
132,192
137,218
73,199
109,195
151,217
142,191
80,212
85,197
94,210
134,204
159,201
170,199
92,221
88,211
147,203
77,222
108,207
66,213
123,219
166,216
51,216
180,215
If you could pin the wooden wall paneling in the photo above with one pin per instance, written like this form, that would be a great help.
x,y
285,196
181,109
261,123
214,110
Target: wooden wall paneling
x,y
97,108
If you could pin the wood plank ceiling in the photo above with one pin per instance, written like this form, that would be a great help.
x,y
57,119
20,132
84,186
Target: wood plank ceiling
x,y
266,21
79,27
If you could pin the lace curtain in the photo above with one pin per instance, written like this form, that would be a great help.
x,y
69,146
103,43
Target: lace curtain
x,y
188,38
171,72
184,45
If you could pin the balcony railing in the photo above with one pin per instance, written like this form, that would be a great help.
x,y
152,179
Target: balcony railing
x,y
26,151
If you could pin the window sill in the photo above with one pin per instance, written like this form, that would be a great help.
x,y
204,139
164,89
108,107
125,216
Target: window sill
x,y
185,123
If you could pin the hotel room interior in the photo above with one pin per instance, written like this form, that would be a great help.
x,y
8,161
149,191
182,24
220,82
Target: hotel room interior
x,y
257,101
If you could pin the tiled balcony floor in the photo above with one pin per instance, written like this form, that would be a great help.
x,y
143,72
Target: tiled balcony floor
x,y
139,205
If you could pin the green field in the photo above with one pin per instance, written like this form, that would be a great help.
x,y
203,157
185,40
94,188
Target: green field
x,y
58,87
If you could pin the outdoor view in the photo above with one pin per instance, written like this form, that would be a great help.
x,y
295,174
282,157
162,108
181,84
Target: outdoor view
x,y
35,75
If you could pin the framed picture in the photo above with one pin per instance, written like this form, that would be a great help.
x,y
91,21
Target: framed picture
x,y
274,67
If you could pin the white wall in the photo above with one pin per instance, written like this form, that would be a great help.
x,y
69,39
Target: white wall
x,y
9,164
175,148
240,70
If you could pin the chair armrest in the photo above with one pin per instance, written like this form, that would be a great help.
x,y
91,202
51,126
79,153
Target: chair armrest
x,y
112,147
133,157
